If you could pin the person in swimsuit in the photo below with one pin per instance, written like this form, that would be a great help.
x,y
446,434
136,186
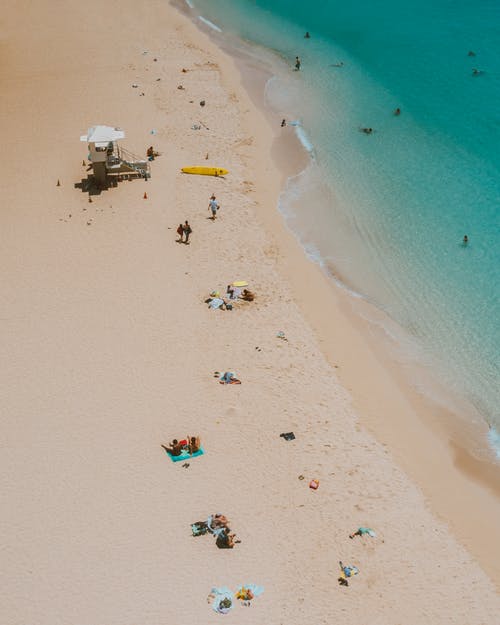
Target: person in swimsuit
x,y
186,228
180,232
194,444
175,448
297,63
225,540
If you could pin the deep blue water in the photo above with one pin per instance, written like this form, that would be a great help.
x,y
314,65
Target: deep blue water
x,y
387,211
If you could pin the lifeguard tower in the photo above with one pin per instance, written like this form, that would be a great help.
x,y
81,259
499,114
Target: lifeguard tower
x,y
109,159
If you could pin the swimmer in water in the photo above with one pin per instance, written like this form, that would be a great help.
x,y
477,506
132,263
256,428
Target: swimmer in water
x,y
307,35
470,53
340,64
367,131
477,72
397,112
465,240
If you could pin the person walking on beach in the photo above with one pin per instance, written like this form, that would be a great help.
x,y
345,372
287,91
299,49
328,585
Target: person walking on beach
x,y
186,228
213,206
180,232
297,63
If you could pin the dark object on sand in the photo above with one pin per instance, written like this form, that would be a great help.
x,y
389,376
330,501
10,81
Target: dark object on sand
x,y
202,102
288,436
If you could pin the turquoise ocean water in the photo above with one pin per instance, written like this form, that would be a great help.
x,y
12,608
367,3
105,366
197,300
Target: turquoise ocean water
x,y
386,212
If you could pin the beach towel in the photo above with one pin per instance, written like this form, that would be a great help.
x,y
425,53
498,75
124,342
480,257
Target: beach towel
x,y
199,528
242,592
215,303
218,595
186,455
362,531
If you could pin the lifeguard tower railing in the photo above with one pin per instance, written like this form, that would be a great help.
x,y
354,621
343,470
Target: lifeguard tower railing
x,y
123,162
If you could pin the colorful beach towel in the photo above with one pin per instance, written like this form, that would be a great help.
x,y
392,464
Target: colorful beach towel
x,y
221,600
186,455
247,592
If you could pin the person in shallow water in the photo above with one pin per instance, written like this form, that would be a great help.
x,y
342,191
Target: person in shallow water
x,y
307,35
465,240
397,111
297,63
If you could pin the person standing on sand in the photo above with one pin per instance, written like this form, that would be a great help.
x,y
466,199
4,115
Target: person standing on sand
x,y
214,206
186,228
297,63
180,232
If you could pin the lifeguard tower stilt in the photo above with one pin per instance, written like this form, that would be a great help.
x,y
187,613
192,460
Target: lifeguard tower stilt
x,y
108,159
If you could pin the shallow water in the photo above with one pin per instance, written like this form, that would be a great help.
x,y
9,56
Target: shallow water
x,y
386,212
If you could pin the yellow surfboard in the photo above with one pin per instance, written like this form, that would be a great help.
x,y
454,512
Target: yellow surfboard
x,y
205,171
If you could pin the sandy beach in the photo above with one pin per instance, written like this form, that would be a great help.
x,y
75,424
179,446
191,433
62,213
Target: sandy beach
x,y
110,351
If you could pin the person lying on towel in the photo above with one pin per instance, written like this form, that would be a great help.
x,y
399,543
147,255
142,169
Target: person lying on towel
x,y
229,378
225,540
247,295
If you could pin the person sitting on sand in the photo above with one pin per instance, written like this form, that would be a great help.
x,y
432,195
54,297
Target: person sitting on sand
x,y
150,153
247,295
193,444
225,540
362,531
175,448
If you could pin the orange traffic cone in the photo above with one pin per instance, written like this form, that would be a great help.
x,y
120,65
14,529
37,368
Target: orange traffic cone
x,y
145,196
58,183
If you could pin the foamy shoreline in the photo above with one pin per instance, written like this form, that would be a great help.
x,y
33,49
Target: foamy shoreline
x,y
109,351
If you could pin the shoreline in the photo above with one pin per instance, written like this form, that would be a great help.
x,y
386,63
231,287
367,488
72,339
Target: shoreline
x,y
450,434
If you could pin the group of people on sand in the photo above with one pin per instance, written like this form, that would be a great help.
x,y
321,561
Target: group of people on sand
x,y
184,230
190,445
217,525
215,301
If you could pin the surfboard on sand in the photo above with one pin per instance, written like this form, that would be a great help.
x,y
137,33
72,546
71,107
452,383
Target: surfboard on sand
x,y
205,171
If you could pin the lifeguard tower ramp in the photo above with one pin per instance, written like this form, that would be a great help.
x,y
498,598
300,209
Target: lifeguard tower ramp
x,y
109,159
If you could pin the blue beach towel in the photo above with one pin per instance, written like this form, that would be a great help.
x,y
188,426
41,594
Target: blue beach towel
x,y
186,455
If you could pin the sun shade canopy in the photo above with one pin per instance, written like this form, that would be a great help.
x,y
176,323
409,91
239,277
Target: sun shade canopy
x,y
102,135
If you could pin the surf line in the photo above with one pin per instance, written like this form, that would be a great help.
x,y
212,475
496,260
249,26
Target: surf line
x,y
209,23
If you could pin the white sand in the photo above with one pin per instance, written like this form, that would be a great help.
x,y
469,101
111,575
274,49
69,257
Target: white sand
x,y
109,350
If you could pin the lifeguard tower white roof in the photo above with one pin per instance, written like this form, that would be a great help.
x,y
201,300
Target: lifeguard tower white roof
x,y
102,135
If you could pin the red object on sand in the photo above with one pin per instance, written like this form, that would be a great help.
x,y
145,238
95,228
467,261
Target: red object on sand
x,y
314,484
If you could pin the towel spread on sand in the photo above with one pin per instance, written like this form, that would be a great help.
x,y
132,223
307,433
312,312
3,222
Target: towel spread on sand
x,y
216,302
218,595
254,589
185,455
